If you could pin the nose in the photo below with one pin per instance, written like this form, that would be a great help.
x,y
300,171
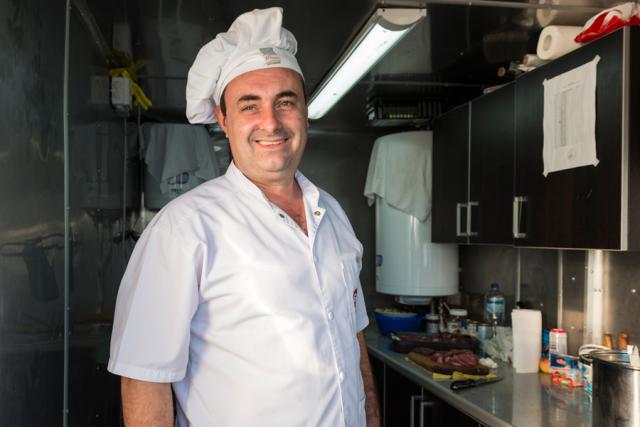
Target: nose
x,y
270,121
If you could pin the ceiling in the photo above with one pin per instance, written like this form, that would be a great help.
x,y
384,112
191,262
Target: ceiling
x,y
450,55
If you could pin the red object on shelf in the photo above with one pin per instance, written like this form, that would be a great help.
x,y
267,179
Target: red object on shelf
x,y
608,21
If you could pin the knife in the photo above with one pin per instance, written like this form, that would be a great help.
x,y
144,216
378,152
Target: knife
x,y
462,384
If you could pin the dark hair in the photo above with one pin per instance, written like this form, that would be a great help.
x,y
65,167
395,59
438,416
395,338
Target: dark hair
x,y
223,104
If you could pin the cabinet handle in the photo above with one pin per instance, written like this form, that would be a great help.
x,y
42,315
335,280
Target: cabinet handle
x,y
425,404
412,411
518,201
470,207
459,232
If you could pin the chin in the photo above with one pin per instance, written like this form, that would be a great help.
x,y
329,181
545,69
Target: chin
x,y
281,164
279,169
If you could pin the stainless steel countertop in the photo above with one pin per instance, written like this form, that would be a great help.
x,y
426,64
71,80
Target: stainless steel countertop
x,y
529,400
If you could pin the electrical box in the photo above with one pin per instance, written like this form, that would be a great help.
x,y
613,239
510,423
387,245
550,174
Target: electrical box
x,y
121,94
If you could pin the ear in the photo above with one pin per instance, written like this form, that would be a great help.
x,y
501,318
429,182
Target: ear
x,y
306,115
221,119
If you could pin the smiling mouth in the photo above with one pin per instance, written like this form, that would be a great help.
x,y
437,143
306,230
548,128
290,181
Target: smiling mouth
x,y
270,142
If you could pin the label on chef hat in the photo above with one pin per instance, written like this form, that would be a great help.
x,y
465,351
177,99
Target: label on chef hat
x,y
270,56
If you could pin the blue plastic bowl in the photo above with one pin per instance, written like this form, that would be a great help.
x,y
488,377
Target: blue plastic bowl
x,y
387,323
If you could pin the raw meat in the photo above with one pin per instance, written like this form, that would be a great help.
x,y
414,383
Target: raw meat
x,y
446,362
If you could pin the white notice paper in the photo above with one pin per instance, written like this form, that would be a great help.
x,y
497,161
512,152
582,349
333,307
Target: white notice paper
x,y
569,121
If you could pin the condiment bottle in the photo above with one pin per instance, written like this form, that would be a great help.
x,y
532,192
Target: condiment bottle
x,y
607,340
432,323
557,341
455,323
623,341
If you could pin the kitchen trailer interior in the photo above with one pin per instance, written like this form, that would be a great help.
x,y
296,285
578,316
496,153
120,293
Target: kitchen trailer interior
x,y
74,170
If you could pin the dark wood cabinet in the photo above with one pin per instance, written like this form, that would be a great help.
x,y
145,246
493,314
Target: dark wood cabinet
x,y
405,403
400,395
491,167
473,171
589,206
488,182
450,166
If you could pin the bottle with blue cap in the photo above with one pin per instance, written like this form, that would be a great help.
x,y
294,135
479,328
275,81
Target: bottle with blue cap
x,y
494,306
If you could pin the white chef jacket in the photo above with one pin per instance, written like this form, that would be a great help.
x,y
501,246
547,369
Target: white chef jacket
x,y
252,321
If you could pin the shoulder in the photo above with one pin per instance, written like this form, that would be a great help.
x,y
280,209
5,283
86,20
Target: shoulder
x,y
335,211
328,200
184,213
332,205
345,233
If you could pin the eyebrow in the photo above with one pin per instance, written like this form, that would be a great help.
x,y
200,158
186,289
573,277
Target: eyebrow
x,y
287,94
283,94
246,98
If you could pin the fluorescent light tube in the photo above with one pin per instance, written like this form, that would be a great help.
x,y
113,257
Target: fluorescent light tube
x,y
383,30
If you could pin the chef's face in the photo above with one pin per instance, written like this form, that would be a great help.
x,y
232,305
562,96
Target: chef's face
x,y
266,123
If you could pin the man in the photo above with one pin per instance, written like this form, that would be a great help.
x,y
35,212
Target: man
x,y
243,294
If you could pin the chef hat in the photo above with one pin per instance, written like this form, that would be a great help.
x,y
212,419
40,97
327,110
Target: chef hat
x,y
255,40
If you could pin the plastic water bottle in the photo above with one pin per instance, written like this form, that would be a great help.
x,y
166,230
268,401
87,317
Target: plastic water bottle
x,y
494,306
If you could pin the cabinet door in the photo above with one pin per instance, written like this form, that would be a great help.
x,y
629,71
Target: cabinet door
x,y
580,207
450,178
398,401
491,167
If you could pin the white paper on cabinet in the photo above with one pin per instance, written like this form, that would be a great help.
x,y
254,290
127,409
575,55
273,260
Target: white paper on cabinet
x,y
569,120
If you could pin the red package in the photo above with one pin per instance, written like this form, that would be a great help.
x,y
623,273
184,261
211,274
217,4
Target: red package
x,y
608,21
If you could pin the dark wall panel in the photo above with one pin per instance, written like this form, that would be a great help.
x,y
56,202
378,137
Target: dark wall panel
x,y
31,213
97,143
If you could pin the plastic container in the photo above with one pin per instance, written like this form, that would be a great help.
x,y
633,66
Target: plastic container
x,y
388,323
494,306
432,323
485,331
472,328
456,322
558,341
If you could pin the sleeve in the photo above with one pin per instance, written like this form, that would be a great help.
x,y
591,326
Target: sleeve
x,y
157,299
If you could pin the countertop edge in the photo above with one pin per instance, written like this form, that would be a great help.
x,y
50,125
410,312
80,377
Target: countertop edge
x,y
439,389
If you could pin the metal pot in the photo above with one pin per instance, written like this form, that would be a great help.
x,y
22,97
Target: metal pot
x,y
616,390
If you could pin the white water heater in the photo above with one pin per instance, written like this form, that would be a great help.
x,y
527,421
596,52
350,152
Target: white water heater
x,y
408,264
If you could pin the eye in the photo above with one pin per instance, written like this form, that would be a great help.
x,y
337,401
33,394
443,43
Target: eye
x,y
285,103
249,107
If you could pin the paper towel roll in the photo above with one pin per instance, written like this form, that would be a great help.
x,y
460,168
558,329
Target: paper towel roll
x,y
557,40
527,340
546,17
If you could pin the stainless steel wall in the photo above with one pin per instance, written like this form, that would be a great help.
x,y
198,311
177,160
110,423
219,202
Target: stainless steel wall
x,y
31,219
31,215
555,282
99,255
621,294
